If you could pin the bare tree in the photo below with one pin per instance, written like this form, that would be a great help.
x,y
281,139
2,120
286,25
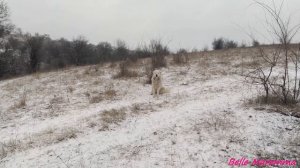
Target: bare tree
x,y
5,26
296,60
80,46
283,55
35,44
158,52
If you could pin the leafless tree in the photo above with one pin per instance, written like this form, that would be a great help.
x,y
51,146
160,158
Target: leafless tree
x,y
282,30
5,26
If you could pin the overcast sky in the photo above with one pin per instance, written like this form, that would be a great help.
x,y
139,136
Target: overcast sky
x,y
180,23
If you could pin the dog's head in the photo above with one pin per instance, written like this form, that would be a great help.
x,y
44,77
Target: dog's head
x,y
156,76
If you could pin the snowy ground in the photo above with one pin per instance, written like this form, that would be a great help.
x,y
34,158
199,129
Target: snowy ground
x,y
80,117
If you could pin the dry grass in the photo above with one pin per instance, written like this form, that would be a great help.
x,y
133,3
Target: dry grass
x,y
37,75
110,92
125,72
113,64
141,108
9,147
57,100
97,82
274,104
3,152
290,154
158,61
55,108
248,64
106,118
218,122
95,98
21,102
70,89
149,72
47,137
204,63
180,59
66,134
290,150
113,116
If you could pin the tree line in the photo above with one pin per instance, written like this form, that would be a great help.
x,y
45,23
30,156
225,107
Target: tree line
x,y
24,53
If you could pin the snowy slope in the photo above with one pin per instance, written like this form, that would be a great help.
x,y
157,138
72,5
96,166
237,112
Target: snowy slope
x,y
201,121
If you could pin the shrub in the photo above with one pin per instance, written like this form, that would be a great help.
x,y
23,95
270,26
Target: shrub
x,y
158,52
218,44
124,71
230,44
255,43
181,57
222,43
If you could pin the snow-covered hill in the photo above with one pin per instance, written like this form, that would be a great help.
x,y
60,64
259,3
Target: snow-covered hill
x,y
84,117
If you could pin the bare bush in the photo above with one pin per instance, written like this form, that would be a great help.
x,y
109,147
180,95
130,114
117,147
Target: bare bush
x,y
158,53
222,43
255,43
124,71
181,57
282,83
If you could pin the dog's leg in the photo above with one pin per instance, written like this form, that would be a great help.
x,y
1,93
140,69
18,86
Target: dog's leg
x,y
158,90
153,91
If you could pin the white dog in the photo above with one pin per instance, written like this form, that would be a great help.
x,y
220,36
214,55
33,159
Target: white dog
x,y
156,82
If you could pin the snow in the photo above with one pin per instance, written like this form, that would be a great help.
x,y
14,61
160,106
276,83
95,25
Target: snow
x,y
201,122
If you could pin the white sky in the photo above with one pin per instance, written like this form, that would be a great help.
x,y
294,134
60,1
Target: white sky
x,y
188,24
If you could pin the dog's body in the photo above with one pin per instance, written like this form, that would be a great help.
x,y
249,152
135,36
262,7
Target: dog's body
x,y
156,82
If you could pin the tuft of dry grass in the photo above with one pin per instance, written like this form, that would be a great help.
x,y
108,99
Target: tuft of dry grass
x,y
3,152
11,146
57,100
69,133
96,82
113,116
218,122
70,89
141,108
95,98
110,92
21,102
